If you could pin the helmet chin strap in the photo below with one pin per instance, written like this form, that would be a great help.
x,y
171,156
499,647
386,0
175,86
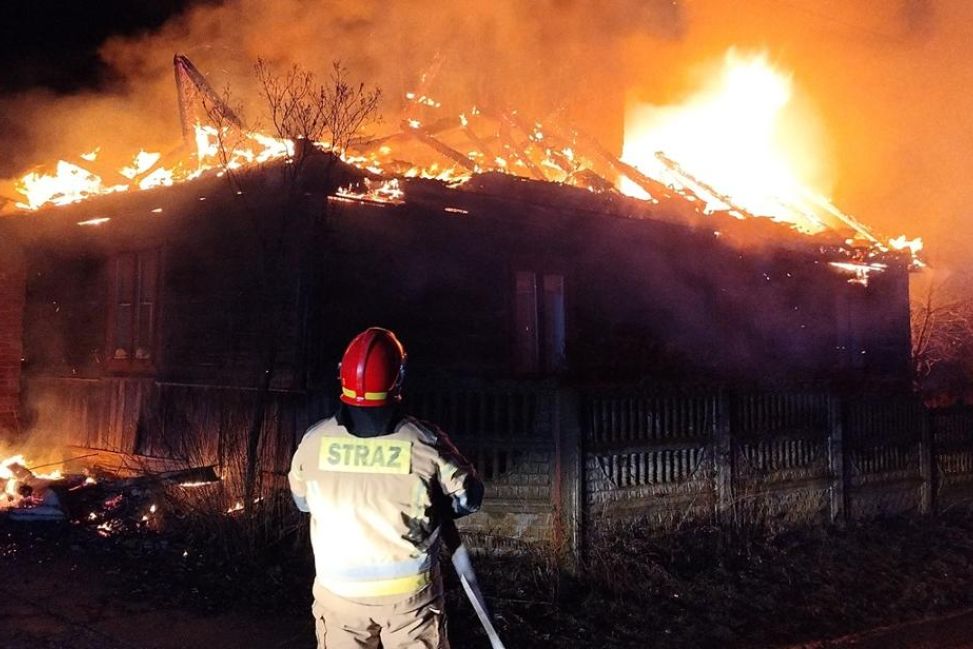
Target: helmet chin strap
x,y
369,422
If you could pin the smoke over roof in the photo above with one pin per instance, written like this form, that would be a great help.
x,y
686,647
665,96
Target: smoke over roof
x,y
887,81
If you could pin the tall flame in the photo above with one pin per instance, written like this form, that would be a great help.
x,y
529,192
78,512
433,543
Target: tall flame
x,y
730,135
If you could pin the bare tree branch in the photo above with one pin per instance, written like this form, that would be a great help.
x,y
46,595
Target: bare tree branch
x,y
301,109
942,330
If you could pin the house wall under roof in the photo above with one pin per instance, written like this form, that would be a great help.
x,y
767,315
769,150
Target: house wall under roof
x,y
12,277
641,299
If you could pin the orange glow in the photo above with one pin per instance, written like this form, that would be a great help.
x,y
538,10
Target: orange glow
x,y
726,145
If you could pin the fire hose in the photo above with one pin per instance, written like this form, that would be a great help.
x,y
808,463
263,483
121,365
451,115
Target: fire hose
x,y
467,576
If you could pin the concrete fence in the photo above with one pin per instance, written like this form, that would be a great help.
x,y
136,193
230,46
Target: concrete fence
x,y
564,464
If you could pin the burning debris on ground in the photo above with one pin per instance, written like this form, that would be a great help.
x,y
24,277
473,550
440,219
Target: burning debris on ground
x,y
94,498
178,518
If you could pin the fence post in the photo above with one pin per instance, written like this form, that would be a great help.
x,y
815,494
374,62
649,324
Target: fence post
x,y
723,457
927,469
569,485
836,462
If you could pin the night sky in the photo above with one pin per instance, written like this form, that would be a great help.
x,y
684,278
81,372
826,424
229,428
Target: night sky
x,y
52,44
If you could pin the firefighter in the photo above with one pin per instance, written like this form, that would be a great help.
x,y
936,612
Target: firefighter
x,y
379,485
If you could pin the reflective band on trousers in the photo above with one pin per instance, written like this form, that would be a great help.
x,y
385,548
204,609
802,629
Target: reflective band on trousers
x,y
369,396
378,587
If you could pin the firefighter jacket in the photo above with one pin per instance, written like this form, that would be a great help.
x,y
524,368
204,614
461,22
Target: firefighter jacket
x,y
376,504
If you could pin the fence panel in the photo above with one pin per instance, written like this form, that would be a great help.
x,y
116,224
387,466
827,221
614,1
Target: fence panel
x,y
781,471
952,434
508,431
563,464
648,453
883,452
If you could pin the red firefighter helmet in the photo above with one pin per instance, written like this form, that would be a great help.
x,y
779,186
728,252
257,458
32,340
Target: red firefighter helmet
x,y
372,369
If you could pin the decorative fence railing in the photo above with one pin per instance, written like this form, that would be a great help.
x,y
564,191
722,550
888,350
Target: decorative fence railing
x,y
780,457
951,440
563,464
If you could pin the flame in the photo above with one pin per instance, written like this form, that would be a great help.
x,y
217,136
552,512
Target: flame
x,y
101,220
147,516
159,178
726,144
68,184
238,505
11,483
860,271
143,162
214,149
387,191
13,469
423,100
108,528
902,243
195,484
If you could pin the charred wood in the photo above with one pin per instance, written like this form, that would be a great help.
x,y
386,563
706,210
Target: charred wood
x,y
446,150
190,84
654,188
518,151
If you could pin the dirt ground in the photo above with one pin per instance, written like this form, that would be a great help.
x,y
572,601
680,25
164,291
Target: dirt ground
x,y
56,603
65,585
69,601
947,632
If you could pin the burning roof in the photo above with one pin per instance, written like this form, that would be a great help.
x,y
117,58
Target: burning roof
x,y
714,158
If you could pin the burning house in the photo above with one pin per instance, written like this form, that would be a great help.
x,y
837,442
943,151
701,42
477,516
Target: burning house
x,y
150,323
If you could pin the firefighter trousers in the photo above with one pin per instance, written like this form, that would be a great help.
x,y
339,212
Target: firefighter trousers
x,y
344,624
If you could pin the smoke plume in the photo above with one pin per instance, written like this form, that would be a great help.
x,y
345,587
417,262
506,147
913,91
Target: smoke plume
x,y
887,82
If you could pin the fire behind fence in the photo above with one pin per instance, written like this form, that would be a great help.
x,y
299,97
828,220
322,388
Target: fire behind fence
x,y
563,464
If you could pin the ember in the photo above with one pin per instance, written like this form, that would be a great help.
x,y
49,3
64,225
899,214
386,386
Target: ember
x,y
387,191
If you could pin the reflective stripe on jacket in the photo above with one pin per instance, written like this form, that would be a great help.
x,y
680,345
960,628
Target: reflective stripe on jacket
x,y
376,504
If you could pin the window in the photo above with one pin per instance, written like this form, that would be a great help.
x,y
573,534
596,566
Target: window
x,y
134,308
539,322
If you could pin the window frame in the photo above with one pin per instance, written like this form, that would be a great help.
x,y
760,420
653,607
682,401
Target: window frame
x,y
544,341
132,364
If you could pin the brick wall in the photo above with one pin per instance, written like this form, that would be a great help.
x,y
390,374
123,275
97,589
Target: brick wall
x,y
12,295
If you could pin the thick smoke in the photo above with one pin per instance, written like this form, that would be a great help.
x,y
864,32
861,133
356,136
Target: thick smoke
x,y
552,56
888,80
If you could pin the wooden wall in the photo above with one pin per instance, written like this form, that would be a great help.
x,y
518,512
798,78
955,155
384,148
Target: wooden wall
x,y
12,278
